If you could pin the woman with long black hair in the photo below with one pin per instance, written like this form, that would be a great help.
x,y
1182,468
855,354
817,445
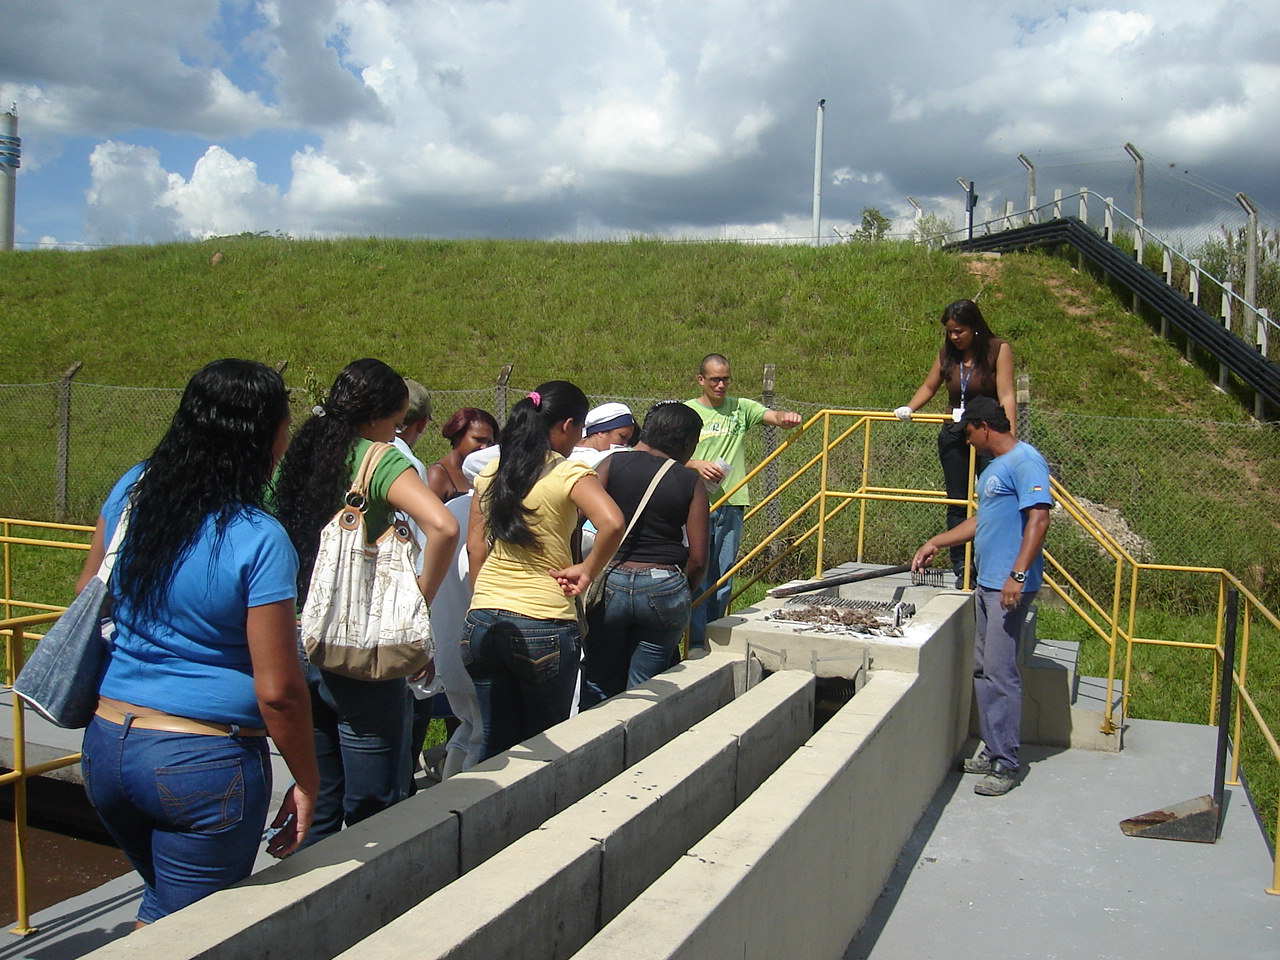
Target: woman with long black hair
x,y
362,727
521,641
973,362
203,663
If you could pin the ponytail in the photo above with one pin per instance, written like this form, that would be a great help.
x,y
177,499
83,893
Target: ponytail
x,y
526,440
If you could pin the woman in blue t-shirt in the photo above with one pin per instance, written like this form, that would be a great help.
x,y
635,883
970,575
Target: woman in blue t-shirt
x,y
202,666
362,727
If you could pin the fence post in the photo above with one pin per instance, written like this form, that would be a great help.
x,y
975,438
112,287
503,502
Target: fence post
x,y
1057,203
500,393
1084,218
1008,215
61,464
1023,400
772,512
1108,223
1263,320
1225,311
1167,269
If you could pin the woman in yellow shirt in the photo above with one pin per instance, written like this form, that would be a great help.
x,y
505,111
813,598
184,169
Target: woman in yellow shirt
x,y
521,641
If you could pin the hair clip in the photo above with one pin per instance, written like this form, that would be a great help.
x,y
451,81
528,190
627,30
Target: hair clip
x,y
536,397
317,411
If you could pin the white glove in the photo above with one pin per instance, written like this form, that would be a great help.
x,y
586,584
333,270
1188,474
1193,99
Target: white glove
x,y
903,413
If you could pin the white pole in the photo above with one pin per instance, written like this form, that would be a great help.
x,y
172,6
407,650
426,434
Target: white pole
x,y
10,158
817,177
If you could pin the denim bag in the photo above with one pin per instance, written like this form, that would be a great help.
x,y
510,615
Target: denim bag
x,y
62,677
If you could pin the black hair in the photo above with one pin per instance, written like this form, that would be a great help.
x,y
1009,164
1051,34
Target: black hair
x,y
213,461
711,358
672,428
526,439
967,314
316,472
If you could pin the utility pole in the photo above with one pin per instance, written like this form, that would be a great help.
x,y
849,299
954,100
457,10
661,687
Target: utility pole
x,y
1139,183
10,160
817,176
1031,187
970,201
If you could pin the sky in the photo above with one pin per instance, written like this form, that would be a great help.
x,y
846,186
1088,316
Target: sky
x,y
154,120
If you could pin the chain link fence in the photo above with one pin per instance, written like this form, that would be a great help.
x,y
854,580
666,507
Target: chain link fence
x,y
1171,491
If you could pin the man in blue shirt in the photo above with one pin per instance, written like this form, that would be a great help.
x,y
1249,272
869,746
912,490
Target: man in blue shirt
x,y
1008,533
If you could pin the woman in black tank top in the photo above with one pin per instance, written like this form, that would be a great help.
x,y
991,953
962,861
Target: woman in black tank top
x,y
973,362
634,633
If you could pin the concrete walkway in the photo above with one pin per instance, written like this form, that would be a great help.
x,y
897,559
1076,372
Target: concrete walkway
x,y
1045,872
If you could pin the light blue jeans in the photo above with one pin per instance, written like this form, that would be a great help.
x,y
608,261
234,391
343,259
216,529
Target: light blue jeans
x,y
723,539
187,809
635,632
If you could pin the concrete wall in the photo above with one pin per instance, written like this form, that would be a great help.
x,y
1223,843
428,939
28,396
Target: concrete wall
x,y
795,870
546,894
326,898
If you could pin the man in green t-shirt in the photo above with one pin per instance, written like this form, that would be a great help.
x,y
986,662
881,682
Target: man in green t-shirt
x,y
720,460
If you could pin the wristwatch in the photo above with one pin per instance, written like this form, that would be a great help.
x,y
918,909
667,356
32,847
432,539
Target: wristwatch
x,y
1018,576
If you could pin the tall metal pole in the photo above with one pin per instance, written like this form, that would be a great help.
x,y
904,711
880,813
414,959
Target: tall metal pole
x,y
970,201
817,176
1031,186
10,160
1250,263
1139,184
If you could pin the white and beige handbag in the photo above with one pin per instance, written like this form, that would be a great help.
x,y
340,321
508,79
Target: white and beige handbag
x,y
365,616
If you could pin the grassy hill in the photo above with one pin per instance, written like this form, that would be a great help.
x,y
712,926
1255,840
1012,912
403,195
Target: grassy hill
x,y
850,325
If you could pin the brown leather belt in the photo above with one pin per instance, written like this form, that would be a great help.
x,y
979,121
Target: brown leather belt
x,y
110,711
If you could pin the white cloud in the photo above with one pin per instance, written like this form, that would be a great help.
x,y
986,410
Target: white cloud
x,y
553,116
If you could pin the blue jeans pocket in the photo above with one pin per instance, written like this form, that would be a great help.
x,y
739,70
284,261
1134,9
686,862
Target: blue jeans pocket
x,y
536,658
202,797
670,603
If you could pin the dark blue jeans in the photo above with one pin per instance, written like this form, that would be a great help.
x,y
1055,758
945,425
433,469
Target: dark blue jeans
x,y
362,730
635,632
524,670
187,809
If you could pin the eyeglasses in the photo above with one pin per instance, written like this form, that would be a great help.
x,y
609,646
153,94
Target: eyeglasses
x,y
716,379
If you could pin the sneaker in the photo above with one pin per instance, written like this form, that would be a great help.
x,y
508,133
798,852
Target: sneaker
x,y
996,783
976,765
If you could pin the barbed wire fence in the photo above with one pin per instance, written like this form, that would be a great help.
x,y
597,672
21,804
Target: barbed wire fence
x,y
1172,491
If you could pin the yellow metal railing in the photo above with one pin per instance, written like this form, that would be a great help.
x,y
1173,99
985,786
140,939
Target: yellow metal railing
x,y
1112,618
14,629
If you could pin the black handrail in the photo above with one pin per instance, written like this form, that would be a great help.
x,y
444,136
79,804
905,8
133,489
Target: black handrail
x,y
1256,371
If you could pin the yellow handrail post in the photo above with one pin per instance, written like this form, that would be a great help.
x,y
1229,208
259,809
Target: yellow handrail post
x,y
1234,777
8,573
1107,725
14,656
1219,651
820,564
866,474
